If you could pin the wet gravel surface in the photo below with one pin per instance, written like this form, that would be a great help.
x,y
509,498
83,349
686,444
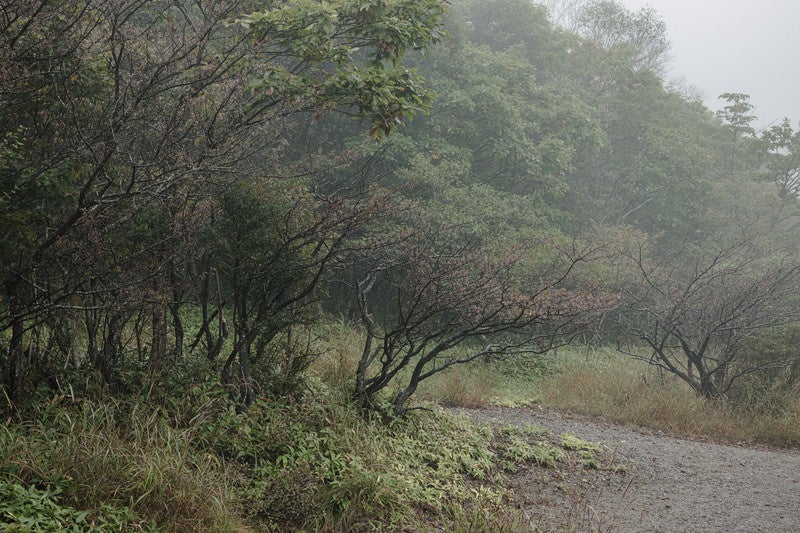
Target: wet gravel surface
x,y
653,482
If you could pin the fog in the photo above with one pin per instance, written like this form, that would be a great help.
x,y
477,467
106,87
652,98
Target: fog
x,y
744,46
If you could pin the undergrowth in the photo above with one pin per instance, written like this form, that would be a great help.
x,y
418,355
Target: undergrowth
x,y
179,456
191,462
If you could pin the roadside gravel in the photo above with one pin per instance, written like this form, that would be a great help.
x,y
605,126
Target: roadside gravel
x,y
653,482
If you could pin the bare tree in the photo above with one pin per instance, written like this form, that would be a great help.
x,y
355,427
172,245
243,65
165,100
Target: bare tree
x,y
697,313
430,304
611,25
564,13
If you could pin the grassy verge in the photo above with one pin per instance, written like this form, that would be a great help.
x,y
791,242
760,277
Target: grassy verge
x,y
602,382
190,462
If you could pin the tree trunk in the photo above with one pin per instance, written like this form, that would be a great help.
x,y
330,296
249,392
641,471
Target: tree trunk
x,y
177,325
64,336
244,335
247,386
92,323
213,346
361,396
707,387
107,361
174,309
399,408
17,363
158,348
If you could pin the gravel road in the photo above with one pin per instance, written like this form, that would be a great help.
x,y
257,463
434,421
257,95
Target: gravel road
x,y
668,484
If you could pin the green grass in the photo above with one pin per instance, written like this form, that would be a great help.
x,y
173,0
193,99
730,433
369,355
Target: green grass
x,y
190,462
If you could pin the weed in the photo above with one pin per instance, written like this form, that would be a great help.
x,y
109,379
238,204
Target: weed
x,y
586,450
517,446
32,509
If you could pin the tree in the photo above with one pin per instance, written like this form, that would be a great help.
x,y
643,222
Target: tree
x,y
737,117
783,159
270,246
115,112
447,298
642,34
698,313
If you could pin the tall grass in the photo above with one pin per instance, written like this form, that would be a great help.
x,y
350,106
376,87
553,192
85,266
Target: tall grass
x,y
121,459
602,382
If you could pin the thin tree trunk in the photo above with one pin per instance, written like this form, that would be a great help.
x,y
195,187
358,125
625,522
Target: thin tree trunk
x,y
177,325
158,348
17,367
174,309
107,361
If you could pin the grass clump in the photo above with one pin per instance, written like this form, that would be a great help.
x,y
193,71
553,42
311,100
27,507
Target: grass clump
x,y
520,445
119,466
587,451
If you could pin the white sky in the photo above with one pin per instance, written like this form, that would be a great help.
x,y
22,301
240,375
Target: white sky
x,y
742,46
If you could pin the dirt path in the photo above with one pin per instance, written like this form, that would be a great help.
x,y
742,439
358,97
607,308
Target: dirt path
x,y
668,484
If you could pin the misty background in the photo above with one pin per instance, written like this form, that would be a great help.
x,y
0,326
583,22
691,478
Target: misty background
x,y
736,46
